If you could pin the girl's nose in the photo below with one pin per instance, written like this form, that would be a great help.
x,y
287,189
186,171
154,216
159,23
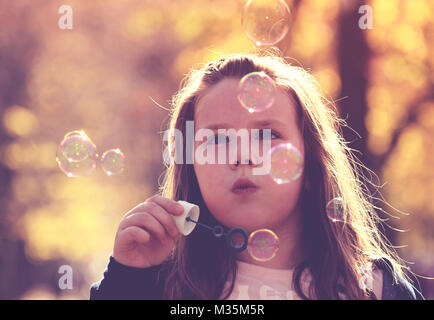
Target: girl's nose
x,y
242,152
237,163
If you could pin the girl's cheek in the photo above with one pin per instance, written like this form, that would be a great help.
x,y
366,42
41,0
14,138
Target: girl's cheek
x,y
209,174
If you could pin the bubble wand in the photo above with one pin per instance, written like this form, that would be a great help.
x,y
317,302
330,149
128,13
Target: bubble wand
x,y
218,232
262,244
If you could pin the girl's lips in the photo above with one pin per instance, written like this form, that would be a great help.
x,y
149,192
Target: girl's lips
x,y
243,182
245,191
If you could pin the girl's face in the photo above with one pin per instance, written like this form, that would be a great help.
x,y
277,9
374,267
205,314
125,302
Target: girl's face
x,y
271,205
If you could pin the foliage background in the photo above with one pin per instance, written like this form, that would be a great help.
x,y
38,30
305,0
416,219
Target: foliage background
x,y
99,77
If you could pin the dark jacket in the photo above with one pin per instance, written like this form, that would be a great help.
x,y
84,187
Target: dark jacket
x,y
123,282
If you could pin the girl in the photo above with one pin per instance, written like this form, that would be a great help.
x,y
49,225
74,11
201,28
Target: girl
x,y
317,258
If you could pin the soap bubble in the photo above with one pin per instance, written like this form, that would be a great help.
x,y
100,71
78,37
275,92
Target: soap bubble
x,y
335,209
75,133
76,146
286,163
256,92
76,155
113,162
263,245
75,168
266,22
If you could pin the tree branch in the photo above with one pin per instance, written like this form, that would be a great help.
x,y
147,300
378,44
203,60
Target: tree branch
x,y
411,117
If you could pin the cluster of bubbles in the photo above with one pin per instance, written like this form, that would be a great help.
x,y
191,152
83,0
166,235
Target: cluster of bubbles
x,y
266,22
77,156
263,244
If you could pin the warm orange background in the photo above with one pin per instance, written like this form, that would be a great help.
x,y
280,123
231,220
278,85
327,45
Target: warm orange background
x,y
99,76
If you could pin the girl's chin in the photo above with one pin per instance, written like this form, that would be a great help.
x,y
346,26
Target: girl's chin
x,y
247,220
247,212
250,200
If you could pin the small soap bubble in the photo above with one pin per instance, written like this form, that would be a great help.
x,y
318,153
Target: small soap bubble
x,y
335,209
113,162
263,245
256,92
266,22
76,146
286,163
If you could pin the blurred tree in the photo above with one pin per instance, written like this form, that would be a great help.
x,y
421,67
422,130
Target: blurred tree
x,y
15,60
353,56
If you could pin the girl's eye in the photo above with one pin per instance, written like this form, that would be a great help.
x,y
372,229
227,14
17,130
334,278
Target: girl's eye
x,y
217,139
273,135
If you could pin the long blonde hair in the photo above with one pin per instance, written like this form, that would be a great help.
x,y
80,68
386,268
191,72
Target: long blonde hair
x,y
337,251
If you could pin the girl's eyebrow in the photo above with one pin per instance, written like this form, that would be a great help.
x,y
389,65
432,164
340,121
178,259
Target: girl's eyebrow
x,y
217,126
259,123
270,122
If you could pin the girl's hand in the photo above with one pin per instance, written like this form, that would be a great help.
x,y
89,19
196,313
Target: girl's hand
x,y
147,233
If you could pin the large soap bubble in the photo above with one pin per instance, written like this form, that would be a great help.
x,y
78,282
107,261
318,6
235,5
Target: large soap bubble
x,y
266,22
76,155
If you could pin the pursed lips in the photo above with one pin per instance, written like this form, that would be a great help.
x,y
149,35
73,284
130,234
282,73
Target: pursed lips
x,y
244,186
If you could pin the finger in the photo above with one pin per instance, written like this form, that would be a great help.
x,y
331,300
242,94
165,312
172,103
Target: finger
x,y
148,222
137,234
163,217
137,208
169,205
